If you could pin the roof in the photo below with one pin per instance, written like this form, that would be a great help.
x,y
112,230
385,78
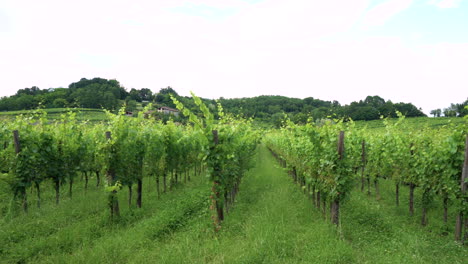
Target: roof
x,y
168,109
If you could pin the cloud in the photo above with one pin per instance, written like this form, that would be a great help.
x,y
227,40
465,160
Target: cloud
x,y
380,14
445,3
302,17
4,22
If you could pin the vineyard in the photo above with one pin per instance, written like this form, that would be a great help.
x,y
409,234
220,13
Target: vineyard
x,y
137,190
436,161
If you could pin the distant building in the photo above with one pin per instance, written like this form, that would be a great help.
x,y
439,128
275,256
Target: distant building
x,y
168,110
164,109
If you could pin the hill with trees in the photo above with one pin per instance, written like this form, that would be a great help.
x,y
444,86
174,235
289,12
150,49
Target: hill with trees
x,y
110,94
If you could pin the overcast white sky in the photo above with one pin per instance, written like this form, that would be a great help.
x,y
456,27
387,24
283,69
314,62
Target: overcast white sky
x,y
402,50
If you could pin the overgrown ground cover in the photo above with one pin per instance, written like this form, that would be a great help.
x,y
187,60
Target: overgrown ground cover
x,y
381,232
82,114
414,122
53,232
272,222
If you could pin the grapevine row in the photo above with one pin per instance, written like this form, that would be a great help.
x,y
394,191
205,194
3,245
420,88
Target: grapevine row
x,y
429,159
125,150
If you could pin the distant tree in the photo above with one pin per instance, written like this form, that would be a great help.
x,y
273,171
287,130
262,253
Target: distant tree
x,y
131,105
26,101
29,91
278,119
364,113
436,112
109,101
7,104
318,103
459,110
168,90
134,94
449,112
146,94
59,103
164,96
97,93
387,109
299,118
53,94
409,110
273,109
374,101
320,113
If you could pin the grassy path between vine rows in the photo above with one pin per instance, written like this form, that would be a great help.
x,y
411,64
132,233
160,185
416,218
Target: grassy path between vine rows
x,y
271,222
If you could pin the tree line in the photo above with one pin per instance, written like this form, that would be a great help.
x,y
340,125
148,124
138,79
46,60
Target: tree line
x,y
86,93
453,110
110,94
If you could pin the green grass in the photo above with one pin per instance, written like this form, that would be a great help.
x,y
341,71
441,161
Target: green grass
x,y
271,222
385,233
53,232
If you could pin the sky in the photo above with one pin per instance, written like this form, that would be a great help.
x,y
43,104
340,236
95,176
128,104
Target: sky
x,y
402,50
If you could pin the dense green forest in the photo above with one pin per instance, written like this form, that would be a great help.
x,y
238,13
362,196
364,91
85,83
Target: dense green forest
x,y
110,94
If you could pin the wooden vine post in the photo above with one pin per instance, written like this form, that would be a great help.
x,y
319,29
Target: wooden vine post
x,y
56,179
218,205
17,151
113,202
139,191
16,141
412,186
363,160
335,206
460,217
